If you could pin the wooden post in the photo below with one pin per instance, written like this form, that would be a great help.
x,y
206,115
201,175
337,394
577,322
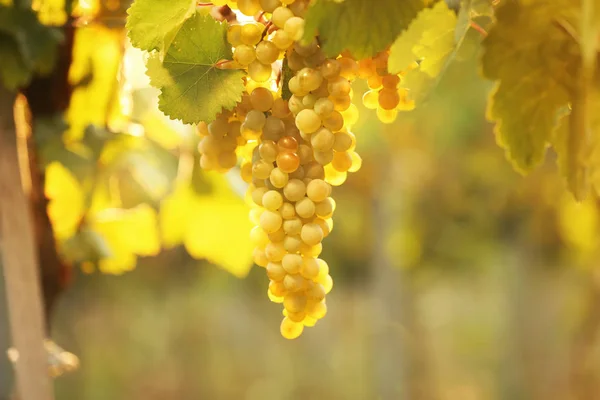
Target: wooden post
x,y
20,265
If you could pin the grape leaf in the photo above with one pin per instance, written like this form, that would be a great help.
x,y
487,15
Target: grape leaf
x,y
362,27
533,62
129,234
37,43
198,90
209,224
429,38
13,70
149,22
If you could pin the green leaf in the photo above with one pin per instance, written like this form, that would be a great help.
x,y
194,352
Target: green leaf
x,y
198,90
362,27
429,38
533,61
149,22
13,70
37,43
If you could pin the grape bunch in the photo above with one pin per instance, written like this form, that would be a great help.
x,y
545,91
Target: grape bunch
x,y
292,150
385,95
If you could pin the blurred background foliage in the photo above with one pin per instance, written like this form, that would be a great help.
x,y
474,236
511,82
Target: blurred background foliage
x,y
455,277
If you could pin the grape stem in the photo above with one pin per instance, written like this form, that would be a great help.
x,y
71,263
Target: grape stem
x,y
478,28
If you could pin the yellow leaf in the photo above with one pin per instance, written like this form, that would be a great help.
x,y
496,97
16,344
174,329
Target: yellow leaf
x,y
129,233
218,228
66,200
174,215
533,61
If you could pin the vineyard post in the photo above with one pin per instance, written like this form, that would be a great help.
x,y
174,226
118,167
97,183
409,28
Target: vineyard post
x,y
21,274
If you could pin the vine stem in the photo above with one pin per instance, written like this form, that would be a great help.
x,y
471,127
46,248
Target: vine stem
x,y
20,262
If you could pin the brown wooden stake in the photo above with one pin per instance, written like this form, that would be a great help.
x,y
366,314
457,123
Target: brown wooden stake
x,y
20,265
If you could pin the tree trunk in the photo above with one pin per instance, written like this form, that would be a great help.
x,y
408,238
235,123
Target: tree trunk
x,y
20,263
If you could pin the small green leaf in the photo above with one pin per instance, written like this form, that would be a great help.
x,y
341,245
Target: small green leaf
x,y
429,38
533,62
198,90
149,22
363,27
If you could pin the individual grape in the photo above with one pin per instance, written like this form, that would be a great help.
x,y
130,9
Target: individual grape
x,y
272,200
295,104
257,195
292,226
314,170
371,99
262,169
277,236
305,208
327,283
335,177
334,122
317,291
276,272
274,251
269,5
323,107
246,172
290,329
277,289
298,7
292,263
280,108
388,98
259,257
386,116
294,302
308,121
311,234
294,190
322,140
330,69
339,86
309,79
318,190
267,52
287,211
288,161
318,310
259,72
281,16
309,100
251,34
292,244
268,151
298,173
294,27
258,237
261,99
227,160
255,120
390,81
325,227
305,50
244,54
282,40
348,68
324,157
273,129
342,161
356,162
287,143
248,7
323,209
270,221
278,178
305,153
342,141
294,283
234,35
311,251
